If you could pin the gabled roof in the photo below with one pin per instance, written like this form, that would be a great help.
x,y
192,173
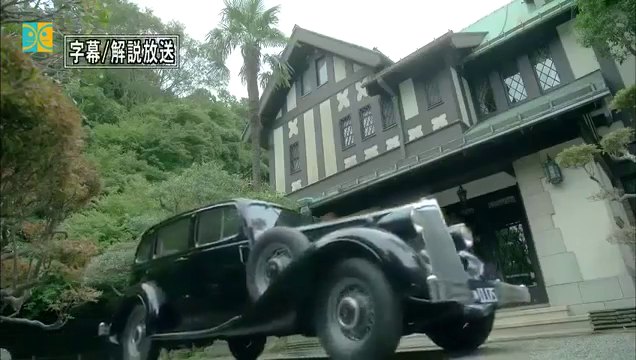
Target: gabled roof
x,y
401,69
300,37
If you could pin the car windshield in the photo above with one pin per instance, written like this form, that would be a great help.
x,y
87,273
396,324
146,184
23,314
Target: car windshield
x,y
265,216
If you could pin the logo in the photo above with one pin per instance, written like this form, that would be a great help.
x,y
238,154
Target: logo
x,y
37,37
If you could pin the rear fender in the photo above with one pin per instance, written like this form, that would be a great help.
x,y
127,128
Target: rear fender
x,y
399,262
158,315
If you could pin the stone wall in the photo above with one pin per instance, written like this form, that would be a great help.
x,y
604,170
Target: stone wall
x,y
580,267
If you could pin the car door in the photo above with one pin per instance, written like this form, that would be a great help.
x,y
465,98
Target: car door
x,y
221,293
170,269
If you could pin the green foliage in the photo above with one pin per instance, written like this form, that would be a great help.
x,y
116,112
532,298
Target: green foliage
x,y
249,26
577,156
609,25
615,143
625,99
161,143
110,269
45,178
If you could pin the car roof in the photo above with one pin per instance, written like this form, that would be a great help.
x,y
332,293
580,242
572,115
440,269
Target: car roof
x,y
239,202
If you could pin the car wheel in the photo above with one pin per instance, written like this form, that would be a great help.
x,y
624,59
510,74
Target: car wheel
x,y
358,315
247,348
461,334
273,251
135,343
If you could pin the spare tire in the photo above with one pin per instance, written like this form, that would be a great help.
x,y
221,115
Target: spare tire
x,y
273,251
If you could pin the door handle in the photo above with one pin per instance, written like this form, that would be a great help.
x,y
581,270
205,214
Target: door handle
x,y
182,258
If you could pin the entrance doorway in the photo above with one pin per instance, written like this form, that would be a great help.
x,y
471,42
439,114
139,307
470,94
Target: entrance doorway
x,y
502,238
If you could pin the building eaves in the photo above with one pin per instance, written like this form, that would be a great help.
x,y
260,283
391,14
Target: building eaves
x,y
342,48
461,40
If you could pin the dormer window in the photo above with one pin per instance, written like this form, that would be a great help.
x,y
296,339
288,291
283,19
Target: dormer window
x,y
321,71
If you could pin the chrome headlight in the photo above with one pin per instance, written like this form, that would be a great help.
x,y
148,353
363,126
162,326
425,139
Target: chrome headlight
x,y
465,233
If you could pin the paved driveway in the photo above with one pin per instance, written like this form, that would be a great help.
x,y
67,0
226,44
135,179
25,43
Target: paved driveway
x,y
607,346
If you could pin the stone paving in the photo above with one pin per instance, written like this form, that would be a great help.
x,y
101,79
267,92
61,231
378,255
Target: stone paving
x,y
615,345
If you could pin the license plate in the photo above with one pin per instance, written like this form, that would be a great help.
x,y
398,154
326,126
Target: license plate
x,y
486,295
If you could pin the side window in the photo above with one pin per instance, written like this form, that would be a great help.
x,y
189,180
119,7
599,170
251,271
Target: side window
x,y
173,237
231,221
144,250
218,223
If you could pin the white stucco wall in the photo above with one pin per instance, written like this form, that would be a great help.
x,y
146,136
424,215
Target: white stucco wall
x,y
582,60
407,96
328,140
628,71
585,224
580,267
279,160
310,147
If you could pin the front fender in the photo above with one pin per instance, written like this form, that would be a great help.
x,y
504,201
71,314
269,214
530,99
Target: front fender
x,y
152,298
400,263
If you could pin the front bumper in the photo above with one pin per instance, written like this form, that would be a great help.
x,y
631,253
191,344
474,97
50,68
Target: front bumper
x,y
448,279
473,291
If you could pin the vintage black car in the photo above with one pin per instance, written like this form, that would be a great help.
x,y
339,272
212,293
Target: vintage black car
x,y
243,270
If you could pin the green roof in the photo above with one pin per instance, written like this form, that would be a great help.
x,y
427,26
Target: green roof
x,y
510,17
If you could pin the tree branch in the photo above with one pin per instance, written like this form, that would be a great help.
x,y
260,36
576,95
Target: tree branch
x,y
625,156
22,321
117,292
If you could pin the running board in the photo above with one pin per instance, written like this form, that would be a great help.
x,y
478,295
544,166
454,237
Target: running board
x,y
237,326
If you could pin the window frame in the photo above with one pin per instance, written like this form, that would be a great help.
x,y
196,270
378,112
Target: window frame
x,y
429,85
342,133
221,239
303,82
477,91
296,145
368,110
383,110
502,70
531,58
147,236
190,240
324,62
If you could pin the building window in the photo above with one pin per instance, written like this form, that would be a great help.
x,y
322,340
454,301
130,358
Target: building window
x,y
366,122
515,88
294,157
544,68
388,112
432,94
346,129
486,98
305,83
321,70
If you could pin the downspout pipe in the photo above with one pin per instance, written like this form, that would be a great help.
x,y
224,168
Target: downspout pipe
x,y
396,105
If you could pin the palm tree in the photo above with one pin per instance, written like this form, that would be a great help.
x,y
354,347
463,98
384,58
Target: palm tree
x,y
247,25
